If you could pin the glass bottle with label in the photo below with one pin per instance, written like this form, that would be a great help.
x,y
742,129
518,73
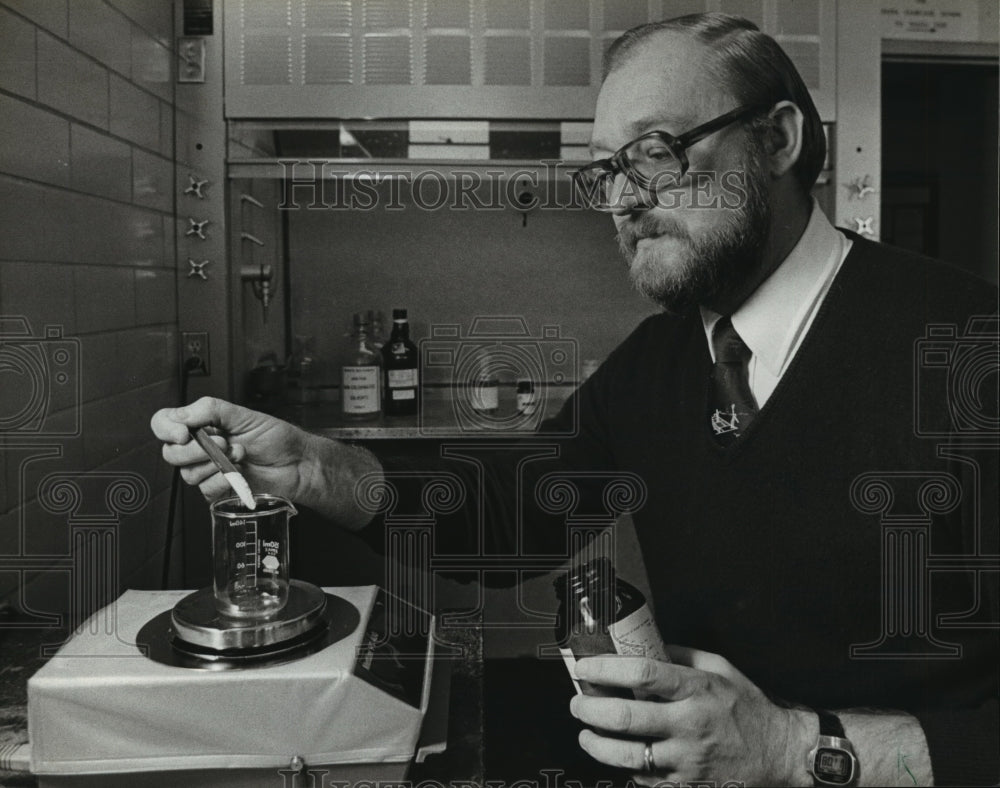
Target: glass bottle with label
x,y
527,399
360,379
401,369
599,613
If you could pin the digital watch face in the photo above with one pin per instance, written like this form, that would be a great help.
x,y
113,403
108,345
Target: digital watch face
x,y
835,767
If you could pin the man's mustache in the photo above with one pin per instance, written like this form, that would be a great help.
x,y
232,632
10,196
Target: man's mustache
x,y
647,225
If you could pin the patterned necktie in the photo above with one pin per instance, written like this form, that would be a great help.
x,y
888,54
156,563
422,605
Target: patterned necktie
x,y
732,407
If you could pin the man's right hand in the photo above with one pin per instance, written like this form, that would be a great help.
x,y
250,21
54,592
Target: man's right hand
x,y
274,456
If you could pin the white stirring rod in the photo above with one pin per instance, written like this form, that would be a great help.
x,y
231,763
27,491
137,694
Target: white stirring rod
x,y
233,476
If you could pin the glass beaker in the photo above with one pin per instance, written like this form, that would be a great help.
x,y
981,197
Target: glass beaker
x,y
250,552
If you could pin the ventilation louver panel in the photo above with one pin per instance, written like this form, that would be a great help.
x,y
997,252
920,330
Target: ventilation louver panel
x,y
567,61
267,59
467,58
798,17
567,15
508,60
449,14
266,14
387,60
447,60
382,14
334,15
624,14
327,60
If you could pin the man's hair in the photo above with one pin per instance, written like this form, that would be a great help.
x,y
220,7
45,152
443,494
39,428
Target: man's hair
x,y
751,65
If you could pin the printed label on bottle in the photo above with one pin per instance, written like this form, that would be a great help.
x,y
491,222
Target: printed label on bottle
x,y
402,378
637,635
485,397
526,403
359,389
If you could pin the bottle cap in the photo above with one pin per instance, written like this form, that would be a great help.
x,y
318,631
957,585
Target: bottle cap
x,y
399,314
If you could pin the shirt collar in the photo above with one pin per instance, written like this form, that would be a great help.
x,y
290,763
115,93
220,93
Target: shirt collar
x,y
772,318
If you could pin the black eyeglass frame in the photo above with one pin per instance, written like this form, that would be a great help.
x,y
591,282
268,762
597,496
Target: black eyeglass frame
x,y
618,162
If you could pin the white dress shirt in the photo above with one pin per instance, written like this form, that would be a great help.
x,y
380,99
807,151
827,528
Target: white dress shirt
x,y
776,317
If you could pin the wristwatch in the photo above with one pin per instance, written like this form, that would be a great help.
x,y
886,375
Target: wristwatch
x,y
832,760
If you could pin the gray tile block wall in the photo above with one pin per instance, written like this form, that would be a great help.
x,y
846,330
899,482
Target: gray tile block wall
x,y
71,82
101,32
51,15
17,66
100,164
135,114
86,193
34,144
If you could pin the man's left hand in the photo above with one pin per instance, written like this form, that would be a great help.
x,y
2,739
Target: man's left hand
x,y
705,721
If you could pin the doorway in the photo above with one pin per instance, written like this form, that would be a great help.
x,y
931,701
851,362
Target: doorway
x,y
939,160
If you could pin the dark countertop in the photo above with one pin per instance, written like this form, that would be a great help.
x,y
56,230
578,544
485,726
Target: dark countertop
x,y
21,656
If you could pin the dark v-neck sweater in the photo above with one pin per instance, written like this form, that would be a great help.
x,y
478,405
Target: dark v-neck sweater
x,y
761,553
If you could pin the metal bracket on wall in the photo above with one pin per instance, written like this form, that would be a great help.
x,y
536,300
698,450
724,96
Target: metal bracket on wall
x,y
197,228
198,268
195,186
864,225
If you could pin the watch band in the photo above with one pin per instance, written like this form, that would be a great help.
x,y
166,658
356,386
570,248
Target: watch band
x,y
830,724
832,761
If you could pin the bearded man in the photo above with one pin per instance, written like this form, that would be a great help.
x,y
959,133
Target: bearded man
x,y
779,374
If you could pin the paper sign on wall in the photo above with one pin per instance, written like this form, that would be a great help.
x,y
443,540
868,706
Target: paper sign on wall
x,y
930,20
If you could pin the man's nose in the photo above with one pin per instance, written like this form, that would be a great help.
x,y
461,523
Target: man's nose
x,y
628,197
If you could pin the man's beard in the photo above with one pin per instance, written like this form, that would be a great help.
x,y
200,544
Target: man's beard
x,y
724,260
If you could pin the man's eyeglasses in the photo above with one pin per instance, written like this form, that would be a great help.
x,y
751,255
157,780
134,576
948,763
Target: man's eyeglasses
x,y
654,161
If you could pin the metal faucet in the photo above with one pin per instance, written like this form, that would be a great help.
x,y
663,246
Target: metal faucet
x,y
260,278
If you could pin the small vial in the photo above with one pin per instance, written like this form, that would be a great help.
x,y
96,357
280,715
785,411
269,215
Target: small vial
x,y
527,400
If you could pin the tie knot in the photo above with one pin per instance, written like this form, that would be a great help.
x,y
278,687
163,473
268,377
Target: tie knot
x,y
728,345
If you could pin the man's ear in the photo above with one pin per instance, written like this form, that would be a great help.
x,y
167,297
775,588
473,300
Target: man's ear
x,y
784,141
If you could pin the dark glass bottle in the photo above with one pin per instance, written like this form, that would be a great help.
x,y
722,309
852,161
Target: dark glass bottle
x,y
400,369
599,613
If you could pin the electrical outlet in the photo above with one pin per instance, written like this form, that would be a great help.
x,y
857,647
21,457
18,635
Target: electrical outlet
x,y
191,59
195,353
